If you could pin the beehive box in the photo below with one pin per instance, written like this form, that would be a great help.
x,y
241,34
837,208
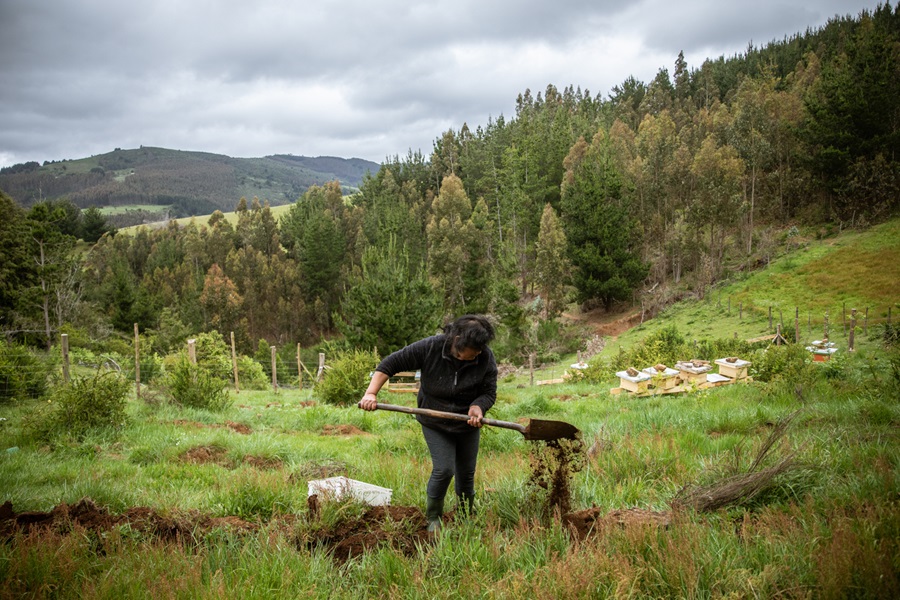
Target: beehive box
x,y
663,380
822,350
734,370
339,488
633,383
689,373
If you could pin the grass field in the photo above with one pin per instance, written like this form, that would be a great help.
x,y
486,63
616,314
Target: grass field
x,y
828,529
188,503
118,210
231,217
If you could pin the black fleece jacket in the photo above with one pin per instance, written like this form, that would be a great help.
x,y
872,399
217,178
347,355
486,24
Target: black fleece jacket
x,y
447,383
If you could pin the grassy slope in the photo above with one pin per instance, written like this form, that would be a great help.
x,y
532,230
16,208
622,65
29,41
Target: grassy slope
x,y
859,268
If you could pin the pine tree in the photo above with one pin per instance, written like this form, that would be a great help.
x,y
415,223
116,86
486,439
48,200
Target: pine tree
x,y
388,304
602,245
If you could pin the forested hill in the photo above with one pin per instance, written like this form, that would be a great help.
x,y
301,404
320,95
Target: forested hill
x,y
191,183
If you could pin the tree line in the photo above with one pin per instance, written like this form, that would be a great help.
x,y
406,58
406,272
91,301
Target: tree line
x,y
659,189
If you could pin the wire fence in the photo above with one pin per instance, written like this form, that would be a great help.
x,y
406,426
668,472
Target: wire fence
x,y
304,368
799,324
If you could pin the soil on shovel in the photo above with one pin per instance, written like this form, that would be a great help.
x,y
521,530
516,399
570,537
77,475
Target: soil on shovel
x,y
553,465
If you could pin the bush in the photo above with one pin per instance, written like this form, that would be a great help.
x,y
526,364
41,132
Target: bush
x,y
85,404
251,374
197,386
791,362
347,377
22,373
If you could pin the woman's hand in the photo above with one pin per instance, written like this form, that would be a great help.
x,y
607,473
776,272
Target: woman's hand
x,y
369,401
475,416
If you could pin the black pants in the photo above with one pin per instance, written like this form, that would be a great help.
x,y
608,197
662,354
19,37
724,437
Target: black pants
x,y
453,455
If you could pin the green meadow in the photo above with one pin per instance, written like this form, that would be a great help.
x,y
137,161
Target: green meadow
x,y
233,484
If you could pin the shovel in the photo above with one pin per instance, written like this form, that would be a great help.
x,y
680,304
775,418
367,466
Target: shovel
x,y
535,430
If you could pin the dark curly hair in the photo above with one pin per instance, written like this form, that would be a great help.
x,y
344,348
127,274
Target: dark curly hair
x,y
472,331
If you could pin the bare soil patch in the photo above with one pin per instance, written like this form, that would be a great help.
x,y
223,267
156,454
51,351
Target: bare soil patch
x,y
201,455
612,324
594,521
263,462
342,430
236,427
86,515
403,528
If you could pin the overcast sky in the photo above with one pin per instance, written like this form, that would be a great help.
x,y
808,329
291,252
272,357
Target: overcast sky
x,y
351,78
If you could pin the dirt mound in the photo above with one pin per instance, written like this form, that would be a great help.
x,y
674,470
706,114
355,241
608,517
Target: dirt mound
x,y
342,430
239,427
591,521
263,462
236,427
86,515
207,454
402,528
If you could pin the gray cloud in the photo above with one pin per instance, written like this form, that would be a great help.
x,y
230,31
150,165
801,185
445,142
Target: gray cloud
x,y
349,78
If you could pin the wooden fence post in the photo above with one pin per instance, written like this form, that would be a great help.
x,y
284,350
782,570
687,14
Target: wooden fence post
x,y
192,351
299,369
852,329
137,363
844,317
866,323
274,370
321,370
825,328
237,387
64,343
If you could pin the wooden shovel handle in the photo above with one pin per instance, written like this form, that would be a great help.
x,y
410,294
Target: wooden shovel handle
x,y
449,415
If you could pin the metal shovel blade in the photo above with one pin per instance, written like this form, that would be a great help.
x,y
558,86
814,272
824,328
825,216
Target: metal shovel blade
x,y
541,430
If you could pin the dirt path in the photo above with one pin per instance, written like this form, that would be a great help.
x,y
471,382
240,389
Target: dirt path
x,y
606,324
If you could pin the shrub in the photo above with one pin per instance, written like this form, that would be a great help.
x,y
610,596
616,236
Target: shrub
x,y
84,404
197,386
22,372
251,374
347,377
791,362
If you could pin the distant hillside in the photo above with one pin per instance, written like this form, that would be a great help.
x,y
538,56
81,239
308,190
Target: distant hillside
x,y
191,183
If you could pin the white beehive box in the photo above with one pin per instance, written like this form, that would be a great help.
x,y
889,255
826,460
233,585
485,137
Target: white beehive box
x,y
664,380
734,370
339,488
633,383
690,373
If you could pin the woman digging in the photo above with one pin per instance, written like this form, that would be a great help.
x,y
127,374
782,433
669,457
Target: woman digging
x,y
458,374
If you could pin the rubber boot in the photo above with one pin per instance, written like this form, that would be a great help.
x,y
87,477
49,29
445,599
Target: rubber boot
x,y
466,504
434,510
